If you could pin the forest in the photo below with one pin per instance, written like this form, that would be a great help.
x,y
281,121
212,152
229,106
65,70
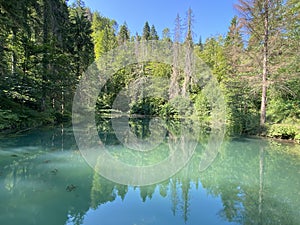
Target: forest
x,y
46,46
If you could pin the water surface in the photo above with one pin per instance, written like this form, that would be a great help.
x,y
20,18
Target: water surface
x,y
45,180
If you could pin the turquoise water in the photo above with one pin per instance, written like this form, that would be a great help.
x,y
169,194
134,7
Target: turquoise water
x,y
45,180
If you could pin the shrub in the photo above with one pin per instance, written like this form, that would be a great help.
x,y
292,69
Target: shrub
x,y
297,138
283,131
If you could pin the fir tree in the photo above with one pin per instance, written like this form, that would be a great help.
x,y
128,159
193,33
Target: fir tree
x,y
153,33
146,32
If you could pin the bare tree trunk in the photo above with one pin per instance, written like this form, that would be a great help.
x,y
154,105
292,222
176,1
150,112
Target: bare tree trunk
x,y
188,59
174,88
187,72
265,65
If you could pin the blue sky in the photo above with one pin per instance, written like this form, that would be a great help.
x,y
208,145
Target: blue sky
x,y
211,17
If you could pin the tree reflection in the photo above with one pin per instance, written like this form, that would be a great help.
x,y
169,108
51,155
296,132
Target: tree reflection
x,y
256,180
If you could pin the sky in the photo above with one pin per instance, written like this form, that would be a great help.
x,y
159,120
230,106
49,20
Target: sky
x,y
211,17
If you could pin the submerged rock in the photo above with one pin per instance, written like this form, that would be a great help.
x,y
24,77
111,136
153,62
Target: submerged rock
x,y
71,187
54,172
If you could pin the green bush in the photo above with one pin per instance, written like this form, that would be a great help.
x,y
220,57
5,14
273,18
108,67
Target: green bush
x,y
202,107
297,138
8,119
147,106
279,110
283,131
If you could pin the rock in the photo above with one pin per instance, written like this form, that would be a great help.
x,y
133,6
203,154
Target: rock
x,y
54,172
71,187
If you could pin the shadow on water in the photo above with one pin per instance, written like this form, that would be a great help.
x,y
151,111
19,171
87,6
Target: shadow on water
x,y
44,180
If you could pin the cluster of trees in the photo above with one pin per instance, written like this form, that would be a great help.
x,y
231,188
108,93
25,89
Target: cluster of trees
x,y
256,63
46,45
261,65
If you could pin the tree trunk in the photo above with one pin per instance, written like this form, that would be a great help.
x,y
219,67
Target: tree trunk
x,y
265,65
187,71
188,60
174,88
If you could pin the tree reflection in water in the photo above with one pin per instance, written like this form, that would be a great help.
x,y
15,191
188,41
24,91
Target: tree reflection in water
x,y
257,180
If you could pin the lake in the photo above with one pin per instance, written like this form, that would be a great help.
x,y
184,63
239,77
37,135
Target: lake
x,y
44,179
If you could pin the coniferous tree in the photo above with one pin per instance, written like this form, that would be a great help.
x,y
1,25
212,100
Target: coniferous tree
x,y
104,34
81,35
146,32
37,50
124,34
261,20
234,46
174,88
237,91
200,44
189,46
153,33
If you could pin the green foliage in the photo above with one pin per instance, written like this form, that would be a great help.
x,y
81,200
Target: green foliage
x,y
44,55
8,119
284,131
182,106
104,34
147,106
202,107
153,33
124,34
168,111
166,36
280,110
45,47
214,56
146,32
20,117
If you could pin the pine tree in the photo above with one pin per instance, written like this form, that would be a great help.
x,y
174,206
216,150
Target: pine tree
x,y
153,33
82,45
234,46
124,34
262,21
200,44
146,32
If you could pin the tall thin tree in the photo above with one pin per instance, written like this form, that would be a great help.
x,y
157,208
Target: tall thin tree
x,y
188,54
174,84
